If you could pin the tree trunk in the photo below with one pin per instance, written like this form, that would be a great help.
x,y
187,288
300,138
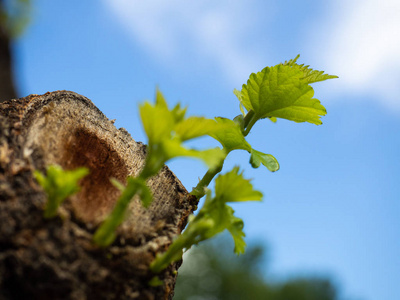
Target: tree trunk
x,y
55,258
7,87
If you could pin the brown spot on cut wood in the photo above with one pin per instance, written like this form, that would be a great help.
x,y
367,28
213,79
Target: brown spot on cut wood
x,y
97,196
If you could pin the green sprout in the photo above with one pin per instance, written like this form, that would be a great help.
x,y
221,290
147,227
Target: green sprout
x,y
59,185
282,91
214,217
167,129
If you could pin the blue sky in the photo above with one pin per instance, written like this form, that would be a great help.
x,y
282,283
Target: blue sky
x,y
333,208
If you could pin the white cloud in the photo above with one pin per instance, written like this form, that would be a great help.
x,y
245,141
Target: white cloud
x,y
170,29
362,39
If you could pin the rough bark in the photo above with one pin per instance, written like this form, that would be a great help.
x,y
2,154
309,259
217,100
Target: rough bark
x,y
55,258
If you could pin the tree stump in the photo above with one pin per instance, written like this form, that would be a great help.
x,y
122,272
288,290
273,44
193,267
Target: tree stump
x,y
55,258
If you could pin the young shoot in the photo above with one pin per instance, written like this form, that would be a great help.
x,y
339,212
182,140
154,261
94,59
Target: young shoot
x,y
282,91
59,184
213,218
167,130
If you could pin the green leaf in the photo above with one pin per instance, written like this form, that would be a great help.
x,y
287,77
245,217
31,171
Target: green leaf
x,y
280,92
158,122
194,127
242,105
230,135
214,217
309,75
212,157
232,187
155,160
178,112
239,119
292,62
236,230
155,281
160,100
257,158
59,184
219,214
273,119
223,218
166,130
284,91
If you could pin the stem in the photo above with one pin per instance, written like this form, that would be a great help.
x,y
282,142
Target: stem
x,y
52,205
249,124
192,235
199,190
173,253
105,234
248,117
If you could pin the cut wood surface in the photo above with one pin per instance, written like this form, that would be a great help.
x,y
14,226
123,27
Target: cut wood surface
x,y
55,258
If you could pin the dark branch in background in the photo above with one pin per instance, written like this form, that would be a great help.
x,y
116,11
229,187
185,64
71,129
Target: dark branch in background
x,y
7,88
14,16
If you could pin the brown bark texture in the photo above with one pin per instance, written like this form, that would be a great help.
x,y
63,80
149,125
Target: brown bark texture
x,y
55,258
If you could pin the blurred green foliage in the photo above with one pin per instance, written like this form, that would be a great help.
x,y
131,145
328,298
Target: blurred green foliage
x,y
211,271
14,16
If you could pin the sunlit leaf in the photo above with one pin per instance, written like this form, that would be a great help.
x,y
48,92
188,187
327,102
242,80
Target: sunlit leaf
x,y
257,158
280,92
233,187
194,127
230,135
309,75
243,102
214,217
158,122
236,230
212,157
